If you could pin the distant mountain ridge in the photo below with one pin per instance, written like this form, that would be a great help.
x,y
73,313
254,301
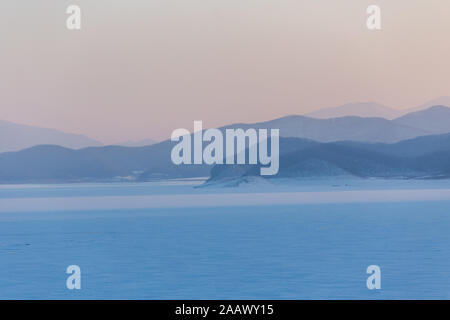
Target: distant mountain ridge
x,y
366,147
50,163
424,157
359,109
373,110
365,122
138,143
441,101
14,137
338,129
404,160
434,120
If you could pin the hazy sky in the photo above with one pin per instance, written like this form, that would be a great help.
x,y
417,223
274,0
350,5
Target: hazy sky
x,y
142,68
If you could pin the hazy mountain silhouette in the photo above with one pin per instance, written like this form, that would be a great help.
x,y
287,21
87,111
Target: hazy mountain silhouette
x,y
309,147
403,160
408,148
15,137
338,129
359,109
441,101
433,120
424,157
373,110
49,163
139,143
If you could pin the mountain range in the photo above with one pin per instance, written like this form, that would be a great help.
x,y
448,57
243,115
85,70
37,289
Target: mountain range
x,y
14,137
411,146
361,109
404,160
433,120
422,157
137,143
373,110
50,163
371,122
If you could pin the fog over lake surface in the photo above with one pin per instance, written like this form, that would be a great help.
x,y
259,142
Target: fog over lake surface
x,y
173,240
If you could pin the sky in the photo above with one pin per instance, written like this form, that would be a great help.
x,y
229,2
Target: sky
x,y
142,68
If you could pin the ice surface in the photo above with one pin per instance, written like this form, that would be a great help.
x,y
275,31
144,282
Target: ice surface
x,y
261,242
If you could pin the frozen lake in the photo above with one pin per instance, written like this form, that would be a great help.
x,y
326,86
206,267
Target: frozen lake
x,y
169,240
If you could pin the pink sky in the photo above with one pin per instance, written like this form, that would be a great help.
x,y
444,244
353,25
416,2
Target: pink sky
x,y
140,69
